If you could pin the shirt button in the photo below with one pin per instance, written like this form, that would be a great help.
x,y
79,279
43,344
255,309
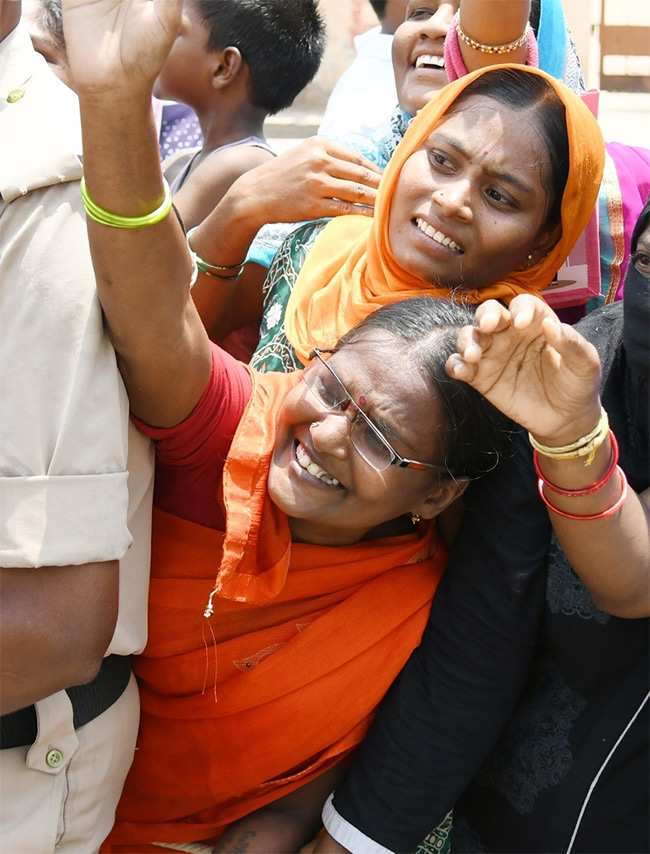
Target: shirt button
x,y
15,95
54,758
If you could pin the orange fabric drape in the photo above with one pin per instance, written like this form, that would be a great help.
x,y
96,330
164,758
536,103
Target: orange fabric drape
x,y
283,679
350,270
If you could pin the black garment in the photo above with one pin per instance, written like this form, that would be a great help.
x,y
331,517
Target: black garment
x,y
446,710
497,618
587,687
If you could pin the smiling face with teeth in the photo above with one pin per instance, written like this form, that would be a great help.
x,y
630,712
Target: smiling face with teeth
x,y
330,493
418,52
470,204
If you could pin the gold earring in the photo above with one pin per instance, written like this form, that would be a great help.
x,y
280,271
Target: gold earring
x,y
415,518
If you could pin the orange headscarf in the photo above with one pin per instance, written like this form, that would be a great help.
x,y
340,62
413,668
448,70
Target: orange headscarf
x,y
244,709
350,270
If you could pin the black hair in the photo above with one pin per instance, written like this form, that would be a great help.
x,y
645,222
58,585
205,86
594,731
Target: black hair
x,y
281,41
533,94
379,7
475,433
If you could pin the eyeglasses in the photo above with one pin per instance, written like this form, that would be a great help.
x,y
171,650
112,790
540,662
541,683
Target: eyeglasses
x,y
367,439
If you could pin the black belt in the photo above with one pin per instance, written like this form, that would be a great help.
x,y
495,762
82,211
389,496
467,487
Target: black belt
x,y
20,728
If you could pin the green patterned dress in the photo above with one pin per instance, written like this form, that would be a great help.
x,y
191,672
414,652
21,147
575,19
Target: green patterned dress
x,y
274,353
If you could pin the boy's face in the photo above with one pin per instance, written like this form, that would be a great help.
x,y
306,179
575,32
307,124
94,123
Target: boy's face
x,y
188,65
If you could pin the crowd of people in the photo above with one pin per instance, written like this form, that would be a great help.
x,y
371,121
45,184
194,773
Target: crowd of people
x,y
339,535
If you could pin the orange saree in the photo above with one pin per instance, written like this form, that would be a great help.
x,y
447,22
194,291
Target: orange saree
x,y
282,680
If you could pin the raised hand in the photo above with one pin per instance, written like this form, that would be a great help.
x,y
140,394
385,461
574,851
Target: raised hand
x,y
537,371
118,46
317,178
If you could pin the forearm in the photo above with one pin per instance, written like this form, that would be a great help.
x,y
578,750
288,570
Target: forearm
x,y
284,825
267,831
225,235
123,176
55,626
610,554
493,22
143,274
224,238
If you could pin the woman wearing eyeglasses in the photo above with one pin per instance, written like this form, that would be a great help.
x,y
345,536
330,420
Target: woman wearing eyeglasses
x,y
264,679
294,557
294,554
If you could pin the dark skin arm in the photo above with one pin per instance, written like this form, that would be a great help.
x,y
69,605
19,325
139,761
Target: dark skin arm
x,y
286,824
493,22
56,623
209,181
317,178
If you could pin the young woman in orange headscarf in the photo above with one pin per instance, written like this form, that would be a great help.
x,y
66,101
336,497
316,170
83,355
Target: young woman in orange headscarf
x,y
328,277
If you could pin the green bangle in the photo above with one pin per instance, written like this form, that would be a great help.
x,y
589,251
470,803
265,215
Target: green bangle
x,y
216,271
104,217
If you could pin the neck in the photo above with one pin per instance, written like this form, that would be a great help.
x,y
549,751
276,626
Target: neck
x,y
306,531
218,131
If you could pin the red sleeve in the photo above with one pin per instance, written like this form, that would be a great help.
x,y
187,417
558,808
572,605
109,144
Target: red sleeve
x,y
190,456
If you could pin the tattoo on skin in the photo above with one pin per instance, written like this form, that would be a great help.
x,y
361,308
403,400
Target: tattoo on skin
x,y
236,841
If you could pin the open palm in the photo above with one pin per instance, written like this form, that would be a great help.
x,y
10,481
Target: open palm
x,y
115,45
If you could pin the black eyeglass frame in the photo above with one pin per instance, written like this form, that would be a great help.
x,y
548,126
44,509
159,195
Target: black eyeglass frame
x,y
396,459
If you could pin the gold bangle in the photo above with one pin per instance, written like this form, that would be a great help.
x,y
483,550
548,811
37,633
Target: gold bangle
x,y
586,446
490,48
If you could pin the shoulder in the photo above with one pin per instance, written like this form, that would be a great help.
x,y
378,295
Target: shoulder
x,y
231,161
174,164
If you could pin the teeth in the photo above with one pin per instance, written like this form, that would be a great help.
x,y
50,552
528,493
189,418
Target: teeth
x,y
427,61
438,236
316,471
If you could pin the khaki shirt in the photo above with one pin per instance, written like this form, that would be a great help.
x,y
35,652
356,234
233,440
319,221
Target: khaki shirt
x,y
68,493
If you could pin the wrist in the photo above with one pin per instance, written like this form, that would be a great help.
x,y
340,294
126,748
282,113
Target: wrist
x,y
573,429
227,233
121,101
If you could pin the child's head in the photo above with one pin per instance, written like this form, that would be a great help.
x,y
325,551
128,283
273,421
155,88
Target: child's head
x,y
390,13
281,41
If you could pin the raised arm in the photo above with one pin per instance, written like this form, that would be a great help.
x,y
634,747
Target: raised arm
x,y
546,376
116,50
492,22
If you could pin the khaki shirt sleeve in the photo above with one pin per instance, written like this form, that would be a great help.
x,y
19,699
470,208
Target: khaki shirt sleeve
x,y
64,413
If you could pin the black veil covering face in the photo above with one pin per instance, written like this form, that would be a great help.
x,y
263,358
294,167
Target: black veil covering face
x,y
636,301
636,352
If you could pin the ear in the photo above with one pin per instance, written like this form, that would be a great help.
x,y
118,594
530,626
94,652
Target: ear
x,y
227,65
545,242
442,496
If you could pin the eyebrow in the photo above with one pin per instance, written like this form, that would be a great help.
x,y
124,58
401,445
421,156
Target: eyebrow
x,y
387,429
507,177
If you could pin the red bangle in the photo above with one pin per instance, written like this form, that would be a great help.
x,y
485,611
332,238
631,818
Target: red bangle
x,y
602,515
577,493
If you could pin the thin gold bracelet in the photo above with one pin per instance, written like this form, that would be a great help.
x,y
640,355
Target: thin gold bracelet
x,y
585,446
491,48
